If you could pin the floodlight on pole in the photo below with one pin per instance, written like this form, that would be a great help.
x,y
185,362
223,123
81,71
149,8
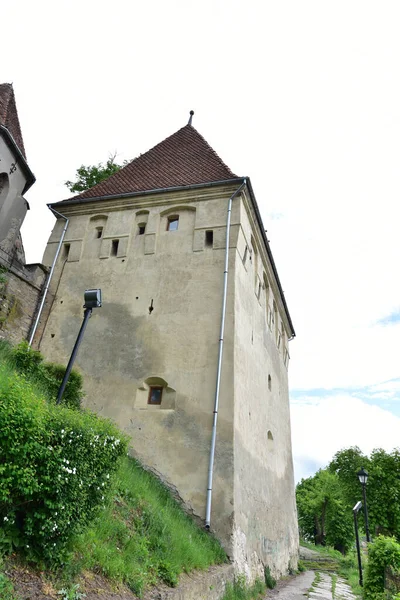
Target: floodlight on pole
x,y
93,300
363,477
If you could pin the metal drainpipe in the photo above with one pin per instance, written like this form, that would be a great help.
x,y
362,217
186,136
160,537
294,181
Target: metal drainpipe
x,y
46,289
220,353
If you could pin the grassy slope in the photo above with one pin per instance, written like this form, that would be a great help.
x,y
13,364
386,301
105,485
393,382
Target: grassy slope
x,y
142,536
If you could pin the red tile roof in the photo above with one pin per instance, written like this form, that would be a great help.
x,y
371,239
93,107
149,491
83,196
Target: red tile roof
x,y
184,158
9,114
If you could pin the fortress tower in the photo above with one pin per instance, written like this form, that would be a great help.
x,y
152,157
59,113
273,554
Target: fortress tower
x,y
153,238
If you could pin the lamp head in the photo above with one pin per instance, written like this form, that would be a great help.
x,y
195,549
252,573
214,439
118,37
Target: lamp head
x,y
362,476
92,299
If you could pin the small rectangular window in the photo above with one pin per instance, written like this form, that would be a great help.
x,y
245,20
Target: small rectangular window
x,y
99,232
173,223
66,249
245,255
209,238
114,247
155,395
142,229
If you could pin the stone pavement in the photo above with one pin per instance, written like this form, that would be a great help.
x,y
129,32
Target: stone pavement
x,y
314,585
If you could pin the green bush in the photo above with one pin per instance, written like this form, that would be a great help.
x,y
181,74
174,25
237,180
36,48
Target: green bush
x,y
48,376
270,582
384,552
55,469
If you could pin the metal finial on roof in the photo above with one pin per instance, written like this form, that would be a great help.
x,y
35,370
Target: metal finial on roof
x,y
191,117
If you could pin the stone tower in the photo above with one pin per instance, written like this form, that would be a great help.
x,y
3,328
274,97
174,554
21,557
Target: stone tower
x,y
153,238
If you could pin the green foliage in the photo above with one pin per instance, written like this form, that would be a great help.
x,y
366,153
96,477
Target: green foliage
x,y
383,553
3,273
241,591
270,582
383,486
88,176
6,586
144,536
71,593
322,511
55,470
48,376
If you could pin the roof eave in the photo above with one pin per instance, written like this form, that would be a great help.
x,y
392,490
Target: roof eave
x,y
10,141
148,192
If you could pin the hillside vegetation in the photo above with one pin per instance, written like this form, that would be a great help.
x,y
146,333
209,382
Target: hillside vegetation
x,y
70,497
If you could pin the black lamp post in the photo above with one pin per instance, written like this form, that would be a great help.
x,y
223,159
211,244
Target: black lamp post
x,y
363,477
92,300
355,512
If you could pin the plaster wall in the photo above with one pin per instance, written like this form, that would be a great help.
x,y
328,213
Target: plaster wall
x,y
127,346
13,206
265,524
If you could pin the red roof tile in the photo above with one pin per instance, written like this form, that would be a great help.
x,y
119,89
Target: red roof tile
x,y
184,158
9,114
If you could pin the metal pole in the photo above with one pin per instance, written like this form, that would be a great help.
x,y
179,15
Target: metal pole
x,y
358,548
46,289
87,313
366,514
220,355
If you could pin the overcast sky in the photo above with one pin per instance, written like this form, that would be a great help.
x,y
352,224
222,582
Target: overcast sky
x,y
302,96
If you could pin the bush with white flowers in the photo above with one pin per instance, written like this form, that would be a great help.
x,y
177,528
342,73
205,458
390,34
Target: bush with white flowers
x,y
56,465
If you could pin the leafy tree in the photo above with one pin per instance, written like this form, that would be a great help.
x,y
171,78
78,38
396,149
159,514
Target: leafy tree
x,y
383,485
88,176
322,511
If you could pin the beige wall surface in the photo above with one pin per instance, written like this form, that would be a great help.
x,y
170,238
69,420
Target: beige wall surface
x,y
159,325
127,347
265,524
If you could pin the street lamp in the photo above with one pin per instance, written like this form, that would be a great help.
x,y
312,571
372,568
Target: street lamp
x,y
92,300
363,477
355,512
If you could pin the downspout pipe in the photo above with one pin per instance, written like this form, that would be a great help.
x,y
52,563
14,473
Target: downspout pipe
x,y
46,289
220,355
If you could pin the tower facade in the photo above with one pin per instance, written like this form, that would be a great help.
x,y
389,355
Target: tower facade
x,y
153,238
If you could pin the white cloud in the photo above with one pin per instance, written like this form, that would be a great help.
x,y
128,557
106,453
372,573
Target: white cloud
x,y
322,426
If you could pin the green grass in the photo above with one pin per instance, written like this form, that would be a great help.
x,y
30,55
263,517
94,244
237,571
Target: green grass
x,y
143,536
6,586
140,538
239,590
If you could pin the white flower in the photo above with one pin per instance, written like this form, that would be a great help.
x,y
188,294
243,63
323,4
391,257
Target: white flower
x,y
5,519
62,430
27,546
108,476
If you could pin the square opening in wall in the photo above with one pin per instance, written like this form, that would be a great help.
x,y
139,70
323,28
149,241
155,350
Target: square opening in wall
x,y
142,228
209,239
99,232
173,223
155,395
66,249
114,247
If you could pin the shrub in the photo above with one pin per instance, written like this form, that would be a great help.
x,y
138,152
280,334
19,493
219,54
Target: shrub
x,y
270,582
48,375
384,552
241,591
55,470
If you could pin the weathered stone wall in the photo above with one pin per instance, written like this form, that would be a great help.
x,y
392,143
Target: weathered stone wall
x,y
127,346
160,325
265,523
208,585
20,290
